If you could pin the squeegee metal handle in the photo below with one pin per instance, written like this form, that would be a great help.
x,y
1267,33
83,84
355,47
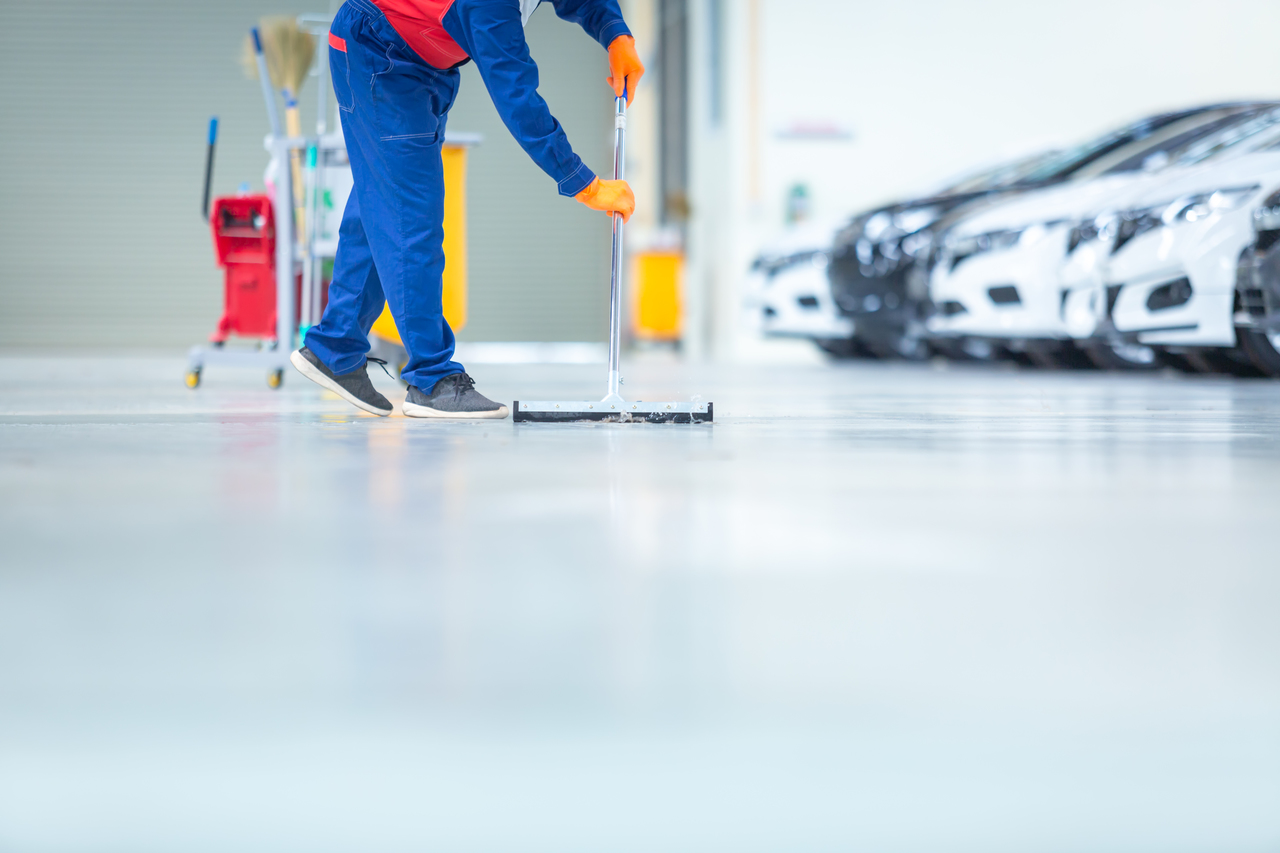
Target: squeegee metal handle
x,y
615,261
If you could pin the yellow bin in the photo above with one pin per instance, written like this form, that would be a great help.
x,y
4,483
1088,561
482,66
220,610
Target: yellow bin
x,y
657,307
454,156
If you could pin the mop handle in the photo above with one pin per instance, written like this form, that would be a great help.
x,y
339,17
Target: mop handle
x,y
272,115
208,166
615,261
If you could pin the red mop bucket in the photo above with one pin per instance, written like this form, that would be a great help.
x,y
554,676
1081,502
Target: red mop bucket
x,y
244,239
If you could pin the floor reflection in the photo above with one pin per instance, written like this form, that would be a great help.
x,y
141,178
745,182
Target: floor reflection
x,y
892,608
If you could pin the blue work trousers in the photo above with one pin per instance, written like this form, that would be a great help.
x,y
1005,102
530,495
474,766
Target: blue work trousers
x,y
393,107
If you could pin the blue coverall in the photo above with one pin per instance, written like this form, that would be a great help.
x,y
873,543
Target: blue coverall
x,y
393,107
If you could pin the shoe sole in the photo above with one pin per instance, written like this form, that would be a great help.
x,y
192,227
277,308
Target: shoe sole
x,y
313,373
413,410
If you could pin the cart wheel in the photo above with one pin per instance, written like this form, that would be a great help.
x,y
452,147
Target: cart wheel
x,y
275,378
193,378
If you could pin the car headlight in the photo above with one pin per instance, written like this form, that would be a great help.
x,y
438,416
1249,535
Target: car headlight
x,y
884,241
889,252
1267,217
913,219
878,225
1102,226
960,249
1195,207
1124,226
918,244
1133,223
772,266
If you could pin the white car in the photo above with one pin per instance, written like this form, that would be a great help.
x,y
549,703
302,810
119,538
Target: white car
x,y
997,276
789,287
1162,272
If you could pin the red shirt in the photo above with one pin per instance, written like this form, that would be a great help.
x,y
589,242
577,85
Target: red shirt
x,y
418,23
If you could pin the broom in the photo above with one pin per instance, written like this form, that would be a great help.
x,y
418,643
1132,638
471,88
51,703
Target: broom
x,y
289,52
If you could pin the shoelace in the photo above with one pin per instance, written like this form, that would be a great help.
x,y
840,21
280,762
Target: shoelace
x,y
462,383
380,362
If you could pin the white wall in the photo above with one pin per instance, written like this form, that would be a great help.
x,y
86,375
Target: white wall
x,y
933,88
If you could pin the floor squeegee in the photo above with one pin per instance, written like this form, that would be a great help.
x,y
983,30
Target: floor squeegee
x,y
613,408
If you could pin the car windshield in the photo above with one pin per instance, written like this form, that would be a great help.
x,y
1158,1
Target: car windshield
x,y
1068,161
1006,174
1252,134
1156,153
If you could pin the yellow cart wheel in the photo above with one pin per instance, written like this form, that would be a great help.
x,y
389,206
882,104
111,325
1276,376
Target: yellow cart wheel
x,y
275,379
193,378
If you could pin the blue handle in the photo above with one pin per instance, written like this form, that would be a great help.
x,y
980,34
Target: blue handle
x,y
257,41
213,130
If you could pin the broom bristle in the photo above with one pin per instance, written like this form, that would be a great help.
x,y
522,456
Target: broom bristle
x,y
288,50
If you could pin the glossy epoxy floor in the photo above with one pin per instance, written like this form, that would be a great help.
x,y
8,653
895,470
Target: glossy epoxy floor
x,y
874,607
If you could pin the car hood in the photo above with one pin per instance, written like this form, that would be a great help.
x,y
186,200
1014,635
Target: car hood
x,y
1114,192
939,206
1260,167
1068,201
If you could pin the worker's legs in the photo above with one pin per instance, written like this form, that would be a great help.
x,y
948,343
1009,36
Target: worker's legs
x,y
341,339
393,107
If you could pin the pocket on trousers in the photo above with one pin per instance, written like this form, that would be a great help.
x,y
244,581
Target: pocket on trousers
x,y
407,100
340,71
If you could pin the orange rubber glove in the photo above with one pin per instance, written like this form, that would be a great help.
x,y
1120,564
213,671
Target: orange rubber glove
x,y
625,67
609,196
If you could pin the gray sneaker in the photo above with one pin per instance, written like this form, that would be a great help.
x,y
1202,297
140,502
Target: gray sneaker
x,y
354,387
452,397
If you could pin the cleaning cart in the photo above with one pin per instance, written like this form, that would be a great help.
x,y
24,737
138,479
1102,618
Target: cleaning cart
x,y
257,244
260,254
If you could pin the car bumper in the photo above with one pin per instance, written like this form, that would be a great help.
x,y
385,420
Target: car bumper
x,y
973,298
1206,255
798,304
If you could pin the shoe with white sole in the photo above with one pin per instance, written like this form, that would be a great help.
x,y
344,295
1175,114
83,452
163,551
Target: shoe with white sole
x,y
452,397
354,387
